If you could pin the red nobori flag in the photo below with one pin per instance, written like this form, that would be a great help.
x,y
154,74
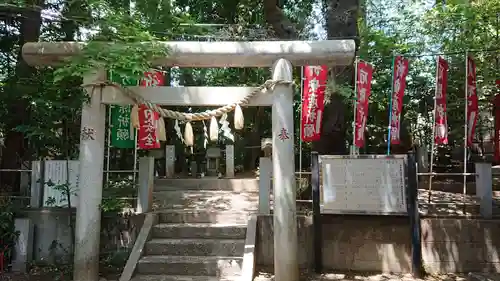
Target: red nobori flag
x,y
364,83
147,137
400,72
313,101
472,103
153,79
440,115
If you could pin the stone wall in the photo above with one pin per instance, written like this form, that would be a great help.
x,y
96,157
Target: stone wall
x,y
52,234
383,244
460,245
362,243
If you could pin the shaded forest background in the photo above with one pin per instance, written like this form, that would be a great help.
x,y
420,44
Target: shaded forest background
x,y
40,108
40,117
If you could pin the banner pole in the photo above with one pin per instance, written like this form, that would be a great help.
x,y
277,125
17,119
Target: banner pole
x,y
355,106
466,129
390,105
108,149
433,139
300,128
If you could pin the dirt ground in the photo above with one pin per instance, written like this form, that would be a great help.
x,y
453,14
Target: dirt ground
x,y
9,276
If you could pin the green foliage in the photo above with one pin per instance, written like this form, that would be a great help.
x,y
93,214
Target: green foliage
x,y
8,233
124,46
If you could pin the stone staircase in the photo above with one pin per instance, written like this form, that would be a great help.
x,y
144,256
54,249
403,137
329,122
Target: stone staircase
x,y
200,231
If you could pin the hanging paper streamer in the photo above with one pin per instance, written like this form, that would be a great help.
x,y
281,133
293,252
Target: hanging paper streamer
x,y
188,134
239,121
214,130
441,118
400,72
134,116
226,131
148,135
177,129
205,135
313,102
363,89
472,103
160,127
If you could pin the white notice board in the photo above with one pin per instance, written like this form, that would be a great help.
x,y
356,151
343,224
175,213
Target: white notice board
x,y
56,171
365,184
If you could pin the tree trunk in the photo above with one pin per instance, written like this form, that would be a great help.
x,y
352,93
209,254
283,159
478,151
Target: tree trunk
x,y
16,145
341,17
341,22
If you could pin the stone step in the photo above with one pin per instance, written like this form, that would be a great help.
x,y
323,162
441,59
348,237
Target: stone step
x,y
200,230
203,216
190,265
182,278
196,247
205,200
237,185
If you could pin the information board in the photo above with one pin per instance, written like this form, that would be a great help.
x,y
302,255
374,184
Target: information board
x,y
56,172
366,184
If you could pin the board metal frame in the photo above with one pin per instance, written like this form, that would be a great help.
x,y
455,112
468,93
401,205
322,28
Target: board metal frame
x,y
367,156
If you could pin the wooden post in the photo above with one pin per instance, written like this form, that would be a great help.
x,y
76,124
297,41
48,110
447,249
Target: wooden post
x,y
284,189
229,161
169,161
88,215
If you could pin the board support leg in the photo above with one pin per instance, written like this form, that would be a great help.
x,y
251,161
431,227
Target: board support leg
x,y
414,216
317,226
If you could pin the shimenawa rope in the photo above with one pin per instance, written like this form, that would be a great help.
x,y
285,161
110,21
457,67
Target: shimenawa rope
x,y
269,85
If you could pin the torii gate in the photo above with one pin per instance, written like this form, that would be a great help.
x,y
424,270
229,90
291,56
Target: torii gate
x,y
279,54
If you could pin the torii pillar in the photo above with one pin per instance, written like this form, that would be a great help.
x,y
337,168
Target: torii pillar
x,y
281,54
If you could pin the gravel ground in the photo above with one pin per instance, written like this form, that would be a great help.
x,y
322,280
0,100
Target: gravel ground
x,y
305,276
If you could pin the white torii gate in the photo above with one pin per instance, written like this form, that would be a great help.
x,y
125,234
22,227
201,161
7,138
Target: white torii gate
x,y
279,54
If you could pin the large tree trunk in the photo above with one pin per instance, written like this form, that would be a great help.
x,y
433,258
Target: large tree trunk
x,y
341,22
16,146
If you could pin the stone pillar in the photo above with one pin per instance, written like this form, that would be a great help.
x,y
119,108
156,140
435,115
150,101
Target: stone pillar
x,y
88,215
484,189
265,173
169,161
23,250
146,184
284,189
229,161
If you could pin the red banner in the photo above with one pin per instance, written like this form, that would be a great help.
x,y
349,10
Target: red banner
x,y
153,79
147,137
400,72
440,115
472,103
313,101
363,89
